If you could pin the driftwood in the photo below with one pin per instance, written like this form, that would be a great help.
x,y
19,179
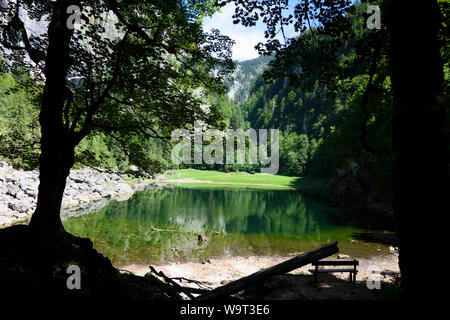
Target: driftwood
x,y
166,288
176,286
161,230
281,268
195,290
200,285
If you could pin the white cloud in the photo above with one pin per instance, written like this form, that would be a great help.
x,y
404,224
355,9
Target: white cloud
x,y
244,48
246,37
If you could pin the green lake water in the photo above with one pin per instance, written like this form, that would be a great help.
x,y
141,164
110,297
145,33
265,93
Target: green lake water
x,y
163,226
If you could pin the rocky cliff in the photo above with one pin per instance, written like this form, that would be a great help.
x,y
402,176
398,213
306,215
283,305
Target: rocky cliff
x,y
18,190
362,189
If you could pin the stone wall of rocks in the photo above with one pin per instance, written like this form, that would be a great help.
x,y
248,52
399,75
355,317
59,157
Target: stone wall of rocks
x,y
18,190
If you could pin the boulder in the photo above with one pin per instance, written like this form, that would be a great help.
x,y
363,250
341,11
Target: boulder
x,y
30,191
123,188
393,249
6,220
21,195
11,190
68,201
4,210
18,207
82,198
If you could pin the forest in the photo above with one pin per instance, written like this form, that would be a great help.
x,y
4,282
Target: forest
x,y
362,114
323,127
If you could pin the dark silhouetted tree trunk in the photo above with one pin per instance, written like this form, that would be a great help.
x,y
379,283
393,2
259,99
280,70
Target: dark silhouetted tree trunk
x,y
57,144
420,147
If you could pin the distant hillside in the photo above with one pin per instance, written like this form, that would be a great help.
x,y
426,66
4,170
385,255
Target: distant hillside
x,y
245,75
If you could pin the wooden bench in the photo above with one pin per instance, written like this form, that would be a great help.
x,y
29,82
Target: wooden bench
x,y
351,271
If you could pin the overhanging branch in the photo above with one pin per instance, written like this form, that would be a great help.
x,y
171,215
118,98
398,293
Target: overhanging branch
x,y
16,24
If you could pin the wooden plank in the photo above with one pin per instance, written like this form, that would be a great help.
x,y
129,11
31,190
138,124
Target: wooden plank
x,y
336,263
281,268
331,270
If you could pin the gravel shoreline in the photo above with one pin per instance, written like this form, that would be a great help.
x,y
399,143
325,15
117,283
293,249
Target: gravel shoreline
x,y
226,269
295,285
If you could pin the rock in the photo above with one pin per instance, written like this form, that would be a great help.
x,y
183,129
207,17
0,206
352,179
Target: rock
x,y
360,188
343,256
18,207
124,197
202,237
68,201
10,179
3,207
82,198
91,183
393,249
104,190
30,191
21,195
75,186
123,188
77,179
11,190
19,190
5,220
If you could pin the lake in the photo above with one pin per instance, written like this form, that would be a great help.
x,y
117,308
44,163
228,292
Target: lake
x,y
158,226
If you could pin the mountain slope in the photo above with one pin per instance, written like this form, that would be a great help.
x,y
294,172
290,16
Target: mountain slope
x,y
245,75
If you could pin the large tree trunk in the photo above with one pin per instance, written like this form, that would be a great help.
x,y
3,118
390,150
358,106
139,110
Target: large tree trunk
x,y
57,145
421,165
54,168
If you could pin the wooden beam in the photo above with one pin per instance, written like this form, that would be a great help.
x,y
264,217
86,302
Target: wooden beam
x,y
336,263
281,268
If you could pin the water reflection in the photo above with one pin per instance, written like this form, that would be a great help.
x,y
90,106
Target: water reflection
x,y
163,226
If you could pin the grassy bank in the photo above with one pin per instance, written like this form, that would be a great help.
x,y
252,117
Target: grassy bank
x,y
210,179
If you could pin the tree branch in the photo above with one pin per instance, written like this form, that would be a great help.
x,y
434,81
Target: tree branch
x,y
113,6
35,54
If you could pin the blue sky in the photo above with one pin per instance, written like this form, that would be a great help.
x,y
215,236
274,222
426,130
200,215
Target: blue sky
x,y
246,37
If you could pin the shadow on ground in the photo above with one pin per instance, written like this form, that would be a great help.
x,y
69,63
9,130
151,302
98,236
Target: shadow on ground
x,y
386,238
35,270
302,287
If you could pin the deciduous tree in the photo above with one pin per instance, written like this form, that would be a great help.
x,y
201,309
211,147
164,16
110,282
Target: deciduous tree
x,y
130,70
